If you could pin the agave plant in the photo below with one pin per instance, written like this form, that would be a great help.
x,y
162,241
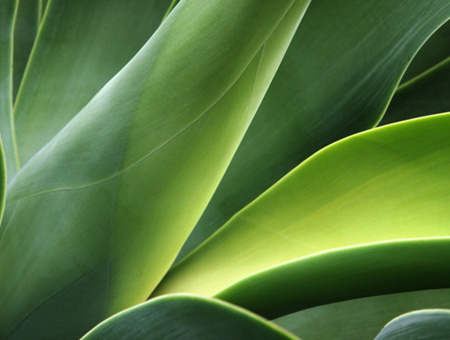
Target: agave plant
x,y
255,169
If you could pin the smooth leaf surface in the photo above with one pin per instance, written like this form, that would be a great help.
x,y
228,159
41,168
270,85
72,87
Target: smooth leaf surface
x,y
427,94
25,30
186,317
81,45
336,79
359,319
384,184
343,274
109,201
8,10
433,324
435,50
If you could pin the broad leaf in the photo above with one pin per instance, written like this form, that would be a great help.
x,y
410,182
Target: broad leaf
x,y
336,79
81,45
433,324
343,274
359,319
384,184
106,205
8,10
186,317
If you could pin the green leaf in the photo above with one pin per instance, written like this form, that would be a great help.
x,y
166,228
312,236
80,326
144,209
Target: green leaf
x,y
109,201
186,317
336,79
435,50
25,30
7,12
384,184
433,324
359,319
343,274
81,45
427,94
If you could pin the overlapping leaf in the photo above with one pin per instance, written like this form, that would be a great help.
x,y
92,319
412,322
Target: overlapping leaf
x,y
344,274
104,207
431,324
384,184
359,319
186,317
337,78
81,45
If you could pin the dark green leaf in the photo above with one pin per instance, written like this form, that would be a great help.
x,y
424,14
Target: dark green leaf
x,y
433,324
186,317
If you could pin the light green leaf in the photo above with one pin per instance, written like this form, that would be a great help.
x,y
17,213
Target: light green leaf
x,y
343,274
427,94
109,201
432,324
336,79
359,319
384,184
81,45
25,30
8,10
186,317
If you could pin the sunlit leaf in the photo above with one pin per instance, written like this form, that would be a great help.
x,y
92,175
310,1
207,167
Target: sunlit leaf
x,y
384,184
337,78
343,274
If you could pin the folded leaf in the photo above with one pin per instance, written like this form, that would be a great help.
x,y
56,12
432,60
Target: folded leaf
x,y
336,79
8,10
186,317
433,324
359,319
343,274
384,184
109,201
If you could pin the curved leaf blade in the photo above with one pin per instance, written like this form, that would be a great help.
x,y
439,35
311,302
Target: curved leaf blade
x,y
343,274
431,324
8,11
186,317
25,30
81,45
427,94
336,79
127,179
384,184
360,318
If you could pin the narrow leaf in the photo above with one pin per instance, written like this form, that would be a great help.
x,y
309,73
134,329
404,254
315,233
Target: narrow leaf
x,y
25,30
8,10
